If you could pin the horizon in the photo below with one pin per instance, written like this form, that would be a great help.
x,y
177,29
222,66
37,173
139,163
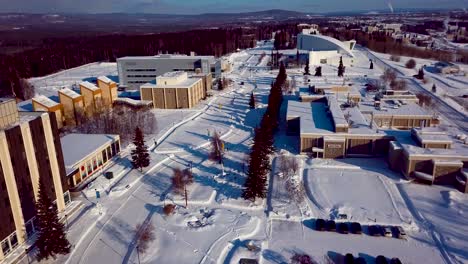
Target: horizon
x,y
170,7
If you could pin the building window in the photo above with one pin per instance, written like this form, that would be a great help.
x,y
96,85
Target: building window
x,y
30,227
66,197
323,61
90,167
104,156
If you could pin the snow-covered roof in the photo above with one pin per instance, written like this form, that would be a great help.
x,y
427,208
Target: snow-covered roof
x,y
77,147
187,83
105,79
336,112
69,92
45,101
313,117
89,86
388,108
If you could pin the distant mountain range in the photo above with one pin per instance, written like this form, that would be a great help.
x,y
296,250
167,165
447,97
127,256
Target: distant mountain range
x,y
142,22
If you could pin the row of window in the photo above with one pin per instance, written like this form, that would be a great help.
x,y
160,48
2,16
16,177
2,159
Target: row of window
x,y
145,76
141,70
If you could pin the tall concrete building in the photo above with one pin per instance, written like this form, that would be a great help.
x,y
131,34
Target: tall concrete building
x,y
29,149
136,71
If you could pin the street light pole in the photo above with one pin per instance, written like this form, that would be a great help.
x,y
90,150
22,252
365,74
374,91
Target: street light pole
x,y
138,254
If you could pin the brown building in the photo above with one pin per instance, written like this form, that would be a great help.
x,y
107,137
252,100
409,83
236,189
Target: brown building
x,y
73,105
109,90
8,112
174,90
86,154
29,149
92,97
43,103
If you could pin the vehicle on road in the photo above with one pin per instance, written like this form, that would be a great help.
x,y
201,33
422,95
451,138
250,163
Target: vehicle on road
x,y
356,228
381,260
343,228
331,225
348,259
374,230
320,225
400,232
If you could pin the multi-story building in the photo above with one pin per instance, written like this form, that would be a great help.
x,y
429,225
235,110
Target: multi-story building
x,y
92,97
44,103
73,105
136,71
29,151
109,90
174,90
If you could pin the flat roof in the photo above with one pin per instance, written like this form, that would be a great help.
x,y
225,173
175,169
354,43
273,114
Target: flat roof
x,y
45,101
189,82
89,86
168,56
388,108
432,135
336,112
313,116
409,144
171,74
358,124
77,147
70,93
105,79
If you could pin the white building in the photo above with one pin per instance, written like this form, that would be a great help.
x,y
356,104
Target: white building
x,y
325,50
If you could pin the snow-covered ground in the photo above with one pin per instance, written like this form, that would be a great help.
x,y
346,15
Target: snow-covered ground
x,y
50,84
218,224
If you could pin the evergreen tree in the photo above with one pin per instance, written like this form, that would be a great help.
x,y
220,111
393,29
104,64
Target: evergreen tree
x,y
420,75
297,58
140,155
220,84
371,65
252,101
51,237
434,88
318,71
306,69
341,68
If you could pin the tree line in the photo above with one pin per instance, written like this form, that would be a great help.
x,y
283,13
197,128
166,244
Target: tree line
x,y
55,54
259,159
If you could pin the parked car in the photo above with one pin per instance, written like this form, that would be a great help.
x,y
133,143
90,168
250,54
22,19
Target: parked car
x,y
395,261
343,228
356,228
381,260
401,232
374,230
387,231
331,225
320,225
348,259
360,260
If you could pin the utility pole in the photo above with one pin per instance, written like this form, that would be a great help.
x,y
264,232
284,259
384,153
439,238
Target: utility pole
x,y
138,254
185,190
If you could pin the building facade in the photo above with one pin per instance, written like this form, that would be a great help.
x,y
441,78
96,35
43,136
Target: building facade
x,y
43,103
86,154
73,105
109,90
136,71
29,151
174,90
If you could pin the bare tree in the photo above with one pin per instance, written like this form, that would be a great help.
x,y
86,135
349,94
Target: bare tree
x,y
26,89
293,85
144,236
424,100
388,76
180,180
398,85
217,148
395,58
410,64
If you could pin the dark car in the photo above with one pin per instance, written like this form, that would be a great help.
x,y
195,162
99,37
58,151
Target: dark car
x,y
375,230
381,260
349,259
360,260
331,225
343,228
320,225
356,228
395,261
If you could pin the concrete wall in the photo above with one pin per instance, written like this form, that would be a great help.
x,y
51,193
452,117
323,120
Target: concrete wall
x,y
132,76
8,113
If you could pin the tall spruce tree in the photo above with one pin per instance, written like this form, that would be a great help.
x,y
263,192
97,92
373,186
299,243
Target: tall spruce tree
x,y
318,71
51,237
252,101
140,155
341,68
306,69
371,65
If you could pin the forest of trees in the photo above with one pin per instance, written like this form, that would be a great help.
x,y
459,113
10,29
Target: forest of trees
x,y
55,54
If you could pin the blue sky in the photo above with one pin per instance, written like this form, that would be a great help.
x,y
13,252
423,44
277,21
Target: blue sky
x,y
204,6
